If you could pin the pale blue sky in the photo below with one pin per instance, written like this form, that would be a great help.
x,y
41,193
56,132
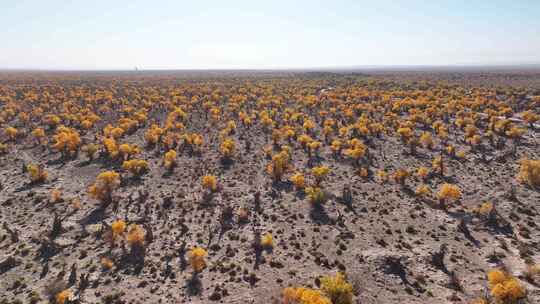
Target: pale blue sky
x,y
114,34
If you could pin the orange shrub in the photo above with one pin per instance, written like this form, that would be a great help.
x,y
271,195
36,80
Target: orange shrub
x,y
106,182
196,258
529,172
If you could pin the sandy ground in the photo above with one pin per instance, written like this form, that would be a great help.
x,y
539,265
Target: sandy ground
x,y
384,240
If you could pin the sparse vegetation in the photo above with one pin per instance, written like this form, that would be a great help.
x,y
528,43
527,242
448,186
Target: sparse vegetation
x,y
104,186
197,259
338,289
37,173
209,182
137,167
529,172
448,193
505,288
225,186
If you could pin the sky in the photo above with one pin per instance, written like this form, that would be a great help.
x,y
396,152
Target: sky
x,y
274,34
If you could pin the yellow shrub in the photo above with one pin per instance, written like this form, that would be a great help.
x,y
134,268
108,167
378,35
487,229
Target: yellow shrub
x,y
38,133
327,131
196,258
515,132
114,132
11,133
470,131
504,287
52,120
169,159
298,180
496,276
118,227
106,182
316,195
197,140
209,182
37,173
279,165
231,125
153,135
137,167
67,140
62,296
529,172
314,146
356,152
267,241
422,172
426,140
530,117
363,172
401,175
449,192
4,148
247,121
140,117
514,290
86,124
90,150
127,150
382,176
437,165
337,289
303,295
308,125
227,148
474,140
343,131
192,139
24,117
484,209
127,124
320,173
451,150
56,195
276,136
336,146
106,263
304,140
422,190
111,147
135,236
405,133
170,140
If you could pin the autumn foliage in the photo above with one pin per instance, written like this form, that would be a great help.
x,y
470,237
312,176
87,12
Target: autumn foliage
x,y
529,172
504,288
274,153
102,189
196,257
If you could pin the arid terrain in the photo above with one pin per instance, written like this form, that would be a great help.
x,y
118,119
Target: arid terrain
x,y
270,187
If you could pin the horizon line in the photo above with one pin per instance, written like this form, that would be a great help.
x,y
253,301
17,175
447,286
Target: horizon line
x,y
283,69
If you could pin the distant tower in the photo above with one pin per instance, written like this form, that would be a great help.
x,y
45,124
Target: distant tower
x,y
136,69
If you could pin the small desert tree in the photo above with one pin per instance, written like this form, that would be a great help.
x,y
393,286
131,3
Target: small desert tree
x,y
529,172
196,258
136,167
337,289
37,173
102,189
448,192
